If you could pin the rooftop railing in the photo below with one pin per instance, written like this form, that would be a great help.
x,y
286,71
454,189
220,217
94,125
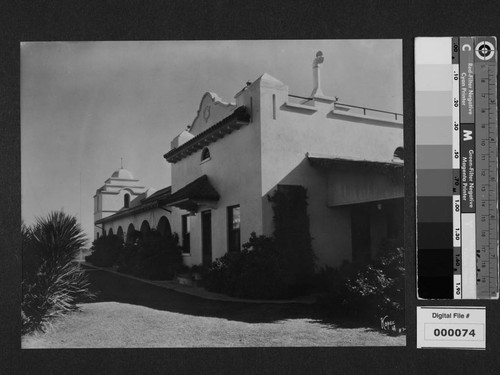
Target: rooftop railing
x,y
361,110
397,116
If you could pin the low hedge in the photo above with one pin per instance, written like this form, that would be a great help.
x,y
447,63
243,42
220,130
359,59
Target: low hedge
x,y
105,251
153,257
256,272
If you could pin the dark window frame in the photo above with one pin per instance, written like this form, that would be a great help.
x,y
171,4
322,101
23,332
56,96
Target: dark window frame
x,y
233,235
205,154
186,234
126,200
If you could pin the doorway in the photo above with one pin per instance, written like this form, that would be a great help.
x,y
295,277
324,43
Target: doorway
x,y
206,238
360,232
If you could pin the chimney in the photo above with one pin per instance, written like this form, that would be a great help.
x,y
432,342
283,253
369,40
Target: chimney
x,y
316,75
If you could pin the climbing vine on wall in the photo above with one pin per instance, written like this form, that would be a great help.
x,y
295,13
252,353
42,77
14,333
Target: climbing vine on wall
x,y
291,232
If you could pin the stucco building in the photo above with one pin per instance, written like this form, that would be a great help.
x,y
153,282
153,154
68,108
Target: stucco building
x,y
233,155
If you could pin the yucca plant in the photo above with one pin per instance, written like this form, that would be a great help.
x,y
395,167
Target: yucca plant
x,y
52,283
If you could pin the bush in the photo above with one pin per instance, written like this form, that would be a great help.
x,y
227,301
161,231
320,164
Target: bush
x,y
278,267
154,257
333,282
369,291
52,283
257,272
128,257
105,251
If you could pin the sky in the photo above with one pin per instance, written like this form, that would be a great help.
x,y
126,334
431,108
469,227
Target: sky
x,y
86,105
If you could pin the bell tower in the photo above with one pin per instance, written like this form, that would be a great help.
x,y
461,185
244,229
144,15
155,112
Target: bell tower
x,y
117,194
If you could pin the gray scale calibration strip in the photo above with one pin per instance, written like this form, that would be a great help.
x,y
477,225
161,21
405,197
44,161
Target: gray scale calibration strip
x,y
456,167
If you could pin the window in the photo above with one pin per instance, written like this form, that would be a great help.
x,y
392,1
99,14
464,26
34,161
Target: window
x,y
233,228
205,154
186,238
126,200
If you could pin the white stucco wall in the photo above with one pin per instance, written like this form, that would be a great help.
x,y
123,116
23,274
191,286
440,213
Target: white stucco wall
x,y
234,171
248,164
294,132
152,216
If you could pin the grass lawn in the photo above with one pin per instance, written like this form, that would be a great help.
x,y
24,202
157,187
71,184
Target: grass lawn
x,y
113,324
130,314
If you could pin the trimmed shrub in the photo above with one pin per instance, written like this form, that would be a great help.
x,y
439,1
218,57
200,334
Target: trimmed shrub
x,y
52,283
257,272
153,256
105,251
128,257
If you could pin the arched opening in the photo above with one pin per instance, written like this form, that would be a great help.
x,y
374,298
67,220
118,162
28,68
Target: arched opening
x,y
399,155
110,232
126,201
205,154
145,228
130,233
119,232
163,227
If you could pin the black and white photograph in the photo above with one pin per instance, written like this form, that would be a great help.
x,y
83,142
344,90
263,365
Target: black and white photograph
x,y
215,194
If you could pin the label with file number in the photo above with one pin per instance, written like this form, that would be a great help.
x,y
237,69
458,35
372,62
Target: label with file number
x,y
451,327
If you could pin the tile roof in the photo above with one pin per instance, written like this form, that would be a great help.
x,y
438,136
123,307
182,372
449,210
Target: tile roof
x,y
160,194
129,211
234,121
186,197
198,190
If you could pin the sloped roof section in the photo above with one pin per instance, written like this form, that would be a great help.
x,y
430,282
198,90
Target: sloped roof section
x,y
234,121
158,195
331,161
188,197
129,211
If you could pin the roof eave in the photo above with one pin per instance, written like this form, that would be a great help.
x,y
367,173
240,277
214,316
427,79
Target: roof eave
x,y
233,122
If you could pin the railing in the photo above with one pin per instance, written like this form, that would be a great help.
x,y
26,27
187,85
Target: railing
x,y
300,97
396,115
